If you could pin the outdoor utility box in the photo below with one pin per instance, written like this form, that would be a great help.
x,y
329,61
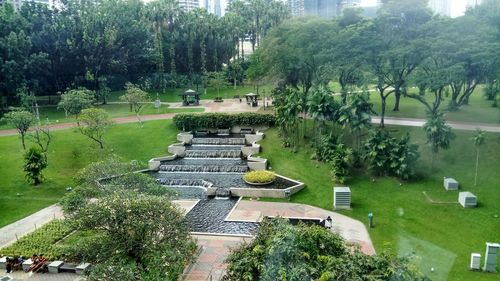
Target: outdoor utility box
x,y
467,199
475,261
491,256
450,184
341,198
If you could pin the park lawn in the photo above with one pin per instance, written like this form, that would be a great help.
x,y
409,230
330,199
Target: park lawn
x,y
443,236
69,152
172,94
479,109
52,115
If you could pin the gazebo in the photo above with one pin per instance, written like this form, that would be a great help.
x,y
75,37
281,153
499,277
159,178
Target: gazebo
x,y
190,97
252,99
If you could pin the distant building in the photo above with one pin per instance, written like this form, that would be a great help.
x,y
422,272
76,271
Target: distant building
x,y
18,3
216,7
323,8
452,8
296,7
188,5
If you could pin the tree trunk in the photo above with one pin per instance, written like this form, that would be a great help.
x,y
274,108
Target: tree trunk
x,y
397,94
22,141
382,111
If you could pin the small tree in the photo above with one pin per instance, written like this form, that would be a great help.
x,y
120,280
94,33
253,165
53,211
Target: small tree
x,y
93,123
217,81
136,98
478,141
75,100
41,136
439,135
22,120
35,163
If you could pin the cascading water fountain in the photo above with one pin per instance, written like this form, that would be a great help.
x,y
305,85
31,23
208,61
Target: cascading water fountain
x,y
212,163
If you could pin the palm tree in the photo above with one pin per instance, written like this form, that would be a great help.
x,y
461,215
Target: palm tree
x,y
479,138
321,107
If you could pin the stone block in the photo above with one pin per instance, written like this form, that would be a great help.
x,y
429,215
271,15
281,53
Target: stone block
x,y
450,184
27,264
467,199
54,266
3,261
80,269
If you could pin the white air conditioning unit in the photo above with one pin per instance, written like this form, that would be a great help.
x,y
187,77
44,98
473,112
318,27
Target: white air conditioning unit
x,y
475,261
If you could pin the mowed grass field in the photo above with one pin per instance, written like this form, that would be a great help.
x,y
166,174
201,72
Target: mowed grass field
x,y
441,236
69,152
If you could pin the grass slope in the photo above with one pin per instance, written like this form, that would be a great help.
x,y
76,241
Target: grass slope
x,y
403,217
69,152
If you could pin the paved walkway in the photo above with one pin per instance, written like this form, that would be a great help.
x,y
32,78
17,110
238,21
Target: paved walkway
x,y
10,233
415,122
210,265
21,275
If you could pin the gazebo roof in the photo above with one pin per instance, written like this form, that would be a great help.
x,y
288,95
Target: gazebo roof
x,y
190,93
251,95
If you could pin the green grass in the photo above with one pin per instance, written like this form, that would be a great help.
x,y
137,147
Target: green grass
x,y
53,115
480,110
69,152
402,215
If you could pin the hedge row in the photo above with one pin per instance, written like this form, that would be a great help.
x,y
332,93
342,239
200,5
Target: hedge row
x,y
190,121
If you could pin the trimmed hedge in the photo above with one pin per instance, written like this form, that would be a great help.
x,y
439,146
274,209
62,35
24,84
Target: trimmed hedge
x,y
260,176
190,121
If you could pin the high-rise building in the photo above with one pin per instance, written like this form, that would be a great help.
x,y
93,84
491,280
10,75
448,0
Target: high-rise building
x,y
188,5
18,3
452,8
296,7
322,8
216,7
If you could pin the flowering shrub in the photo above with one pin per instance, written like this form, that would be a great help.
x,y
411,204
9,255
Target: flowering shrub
x,y
259,176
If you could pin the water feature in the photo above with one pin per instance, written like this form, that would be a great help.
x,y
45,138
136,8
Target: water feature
x,y
211,161
218,153
219,141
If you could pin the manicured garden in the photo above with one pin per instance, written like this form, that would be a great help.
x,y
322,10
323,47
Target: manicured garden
x,y
69,152
443,235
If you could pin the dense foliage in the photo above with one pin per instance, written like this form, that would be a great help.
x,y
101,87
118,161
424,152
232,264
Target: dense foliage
x,y
388,155
41,241
285,252
104,43
259,177
189,121
331,150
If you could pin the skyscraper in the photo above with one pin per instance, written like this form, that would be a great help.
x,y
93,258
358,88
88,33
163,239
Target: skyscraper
x,y
296,7
188,5
322,8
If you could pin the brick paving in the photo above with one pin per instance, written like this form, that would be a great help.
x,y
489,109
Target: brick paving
x,y
210,263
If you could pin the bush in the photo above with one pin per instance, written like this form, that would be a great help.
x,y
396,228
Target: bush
x,y
40,241
259,176
190,121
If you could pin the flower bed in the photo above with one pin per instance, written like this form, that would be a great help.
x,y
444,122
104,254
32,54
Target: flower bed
x,y
41,241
